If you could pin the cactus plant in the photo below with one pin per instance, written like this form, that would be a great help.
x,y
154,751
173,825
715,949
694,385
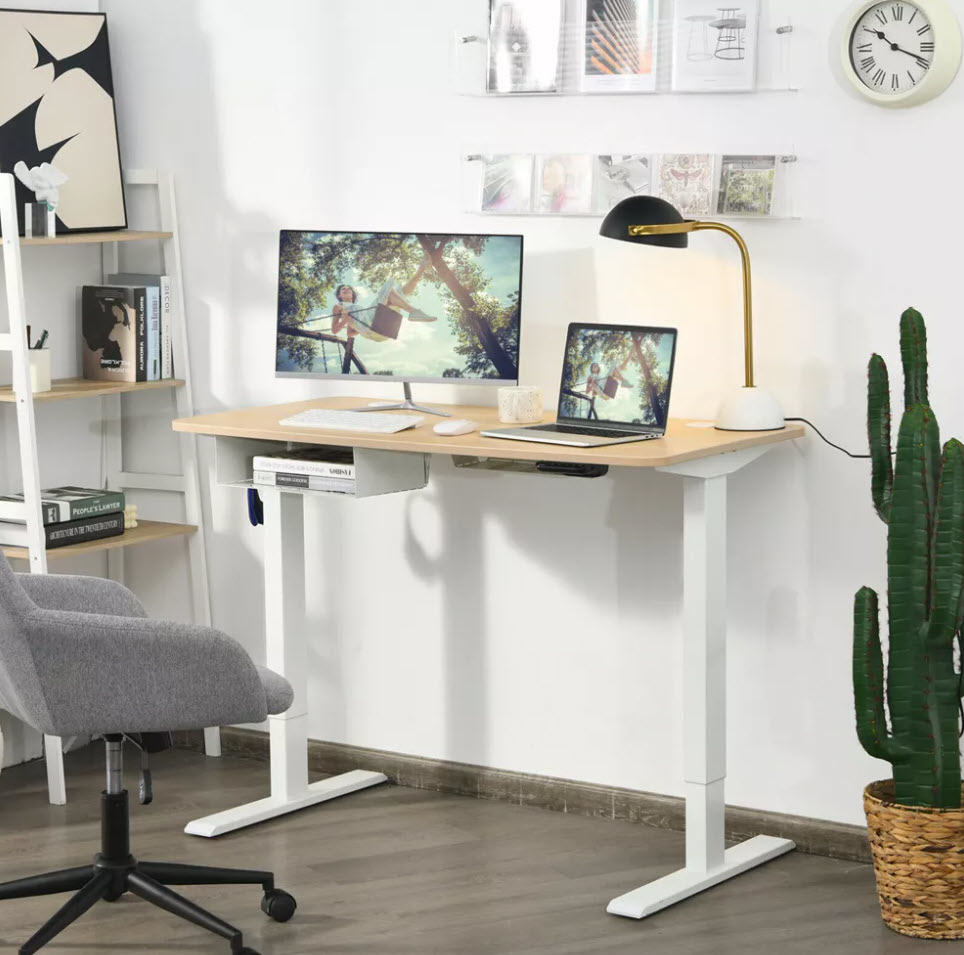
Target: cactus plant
x,y
920,496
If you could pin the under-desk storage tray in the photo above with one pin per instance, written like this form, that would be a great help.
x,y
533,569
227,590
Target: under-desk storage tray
x,y
376,472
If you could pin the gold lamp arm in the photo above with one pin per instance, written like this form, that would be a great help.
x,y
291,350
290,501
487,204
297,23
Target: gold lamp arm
x,y
747,291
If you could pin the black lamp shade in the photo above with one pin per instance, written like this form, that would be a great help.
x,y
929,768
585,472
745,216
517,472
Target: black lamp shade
x,y
644,210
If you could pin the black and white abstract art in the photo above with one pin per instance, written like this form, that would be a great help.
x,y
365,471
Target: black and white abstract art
x,y
57,120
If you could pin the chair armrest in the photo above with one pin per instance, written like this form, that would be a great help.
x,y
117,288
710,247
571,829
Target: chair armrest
x,y
83,594
109,674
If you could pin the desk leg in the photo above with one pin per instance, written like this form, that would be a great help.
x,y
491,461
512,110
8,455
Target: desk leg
x,y
287,654
708,861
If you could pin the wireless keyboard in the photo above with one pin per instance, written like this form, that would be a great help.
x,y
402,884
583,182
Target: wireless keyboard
x,y
370,421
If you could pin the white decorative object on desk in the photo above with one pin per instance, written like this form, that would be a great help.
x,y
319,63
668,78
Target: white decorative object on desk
x,y
521,405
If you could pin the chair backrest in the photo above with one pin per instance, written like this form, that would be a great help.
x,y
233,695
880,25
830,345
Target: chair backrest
x,y
20,692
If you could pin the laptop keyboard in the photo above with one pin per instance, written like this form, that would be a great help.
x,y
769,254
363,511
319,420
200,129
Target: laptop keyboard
x,y
591,432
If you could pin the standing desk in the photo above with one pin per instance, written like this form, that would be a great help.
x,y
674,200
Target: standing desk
x,y
702,457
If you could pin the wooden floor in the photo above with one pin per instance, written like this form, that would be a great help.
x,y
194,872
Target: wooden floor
x,y
400,871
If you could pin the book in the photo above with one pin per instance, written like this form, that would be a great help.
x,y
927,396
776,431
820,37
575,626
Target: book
x,y
163,284
507,184
524,42
66,503
686,180
746,185
66,532
619,45
620,177
564,184
109,327
715,48
308,482
326,462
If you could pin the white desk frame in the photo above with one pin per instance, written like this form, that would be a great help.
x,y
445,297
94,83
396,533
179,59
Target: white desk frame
x,y
708,861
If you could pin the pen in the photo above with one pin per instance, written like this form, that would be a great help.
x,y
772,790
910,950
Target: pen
x,y
42,340
28,338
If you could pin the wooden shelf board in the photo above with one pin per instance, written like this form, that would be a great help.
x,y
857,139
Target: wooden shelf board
x,y
65,388
144,533
86,238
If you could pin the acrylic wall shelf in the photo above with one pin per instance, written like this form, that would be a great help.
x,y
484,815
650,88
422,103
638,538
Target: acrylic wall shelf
x,y
702,48
508,185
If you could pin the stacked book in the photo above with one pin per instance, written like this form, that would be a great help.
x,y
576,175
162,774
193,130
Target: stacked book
x,y
312,469
71,515
126,327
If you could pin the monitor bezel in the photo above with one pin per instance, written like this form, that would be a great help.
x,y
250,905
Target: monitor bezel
x,y
606,422
469,382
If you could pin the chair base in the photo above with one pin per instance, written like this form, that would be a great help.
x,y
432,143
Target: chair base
x,y
115,872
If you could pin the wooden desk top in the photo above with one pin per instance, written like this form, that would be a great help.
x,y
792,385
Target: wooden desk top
x,y
681,443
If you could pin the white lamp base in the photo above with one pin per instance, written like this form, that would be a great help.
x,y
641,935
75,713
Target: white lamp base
x,y
750,409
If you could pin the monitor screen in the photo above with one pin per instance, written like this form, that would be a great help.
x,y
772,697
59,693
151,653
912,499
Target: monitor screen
x,y
404,306
619,375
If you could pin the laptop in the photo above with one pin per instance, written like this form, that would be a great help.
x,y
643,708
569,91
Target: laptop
x,y
616,382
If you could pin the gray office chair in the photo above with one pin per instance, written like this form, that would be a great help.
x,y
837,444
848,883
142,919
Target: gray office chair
x,y
78,655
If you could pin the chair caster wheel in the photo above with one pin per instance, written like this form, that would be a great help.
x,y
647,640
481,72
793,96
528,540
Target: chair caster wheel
x,y
278,905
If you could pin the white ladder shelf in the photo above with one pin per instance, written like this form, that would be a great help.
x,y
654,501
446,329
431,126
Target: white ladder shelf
x,y
185,484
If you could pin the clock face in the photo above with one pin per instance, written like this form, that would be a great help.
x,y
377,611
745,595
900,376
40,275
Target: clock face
x,y
892,47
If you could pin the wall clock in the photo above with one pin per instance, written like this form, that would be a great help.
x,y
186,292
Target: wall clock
x,y
901,53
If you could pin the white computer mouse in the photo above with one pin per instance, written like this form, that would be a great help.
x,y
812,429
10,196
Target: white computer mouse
x,y
455,426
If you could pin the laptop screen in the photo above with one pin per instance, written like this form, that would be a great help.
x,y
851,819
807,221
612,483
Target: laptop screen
x,y
618,375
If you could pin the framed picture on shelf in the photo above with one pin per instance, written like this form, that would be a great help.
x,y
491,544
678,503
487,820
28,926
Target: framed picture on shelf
x,y
564,184
687,180
507,184
619,49
715,47
58,130
524,44
746,185
619,177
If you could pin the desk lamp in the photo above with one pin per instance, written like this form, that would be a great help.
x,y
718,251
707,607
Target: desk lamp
x,y
650,221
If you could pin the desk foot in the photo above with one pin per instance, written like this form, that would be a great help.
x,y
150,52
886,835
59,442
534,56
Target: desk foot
x,y
255,812
683,883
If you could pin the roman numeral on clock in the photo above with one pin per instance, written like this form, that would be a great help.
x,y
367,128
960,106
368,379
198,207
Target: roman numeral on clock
x,y
879,77
865,48
913,82
926,47
897,11
868,63
882,16
924,29
913,18
895,82
921,62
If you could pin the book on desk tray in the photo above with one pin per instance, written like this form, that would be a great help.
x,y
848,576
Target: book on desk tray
x,y
66,532
306,482
68,503
323,462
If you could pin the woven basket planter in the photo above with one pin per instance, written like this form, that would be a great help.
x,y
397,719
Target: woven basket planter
x,y
919,863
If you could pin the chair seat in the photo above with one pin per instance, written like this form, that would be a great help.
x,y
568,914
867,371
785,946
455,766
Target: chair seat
x,y
277,691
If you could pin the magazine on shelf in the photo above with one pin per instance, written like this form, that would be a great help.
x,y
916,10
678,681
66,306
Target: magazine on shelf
x,y
686,180
524,45
66,503
564,184
746,185
714,47
621,177
619,45
507,184
66,532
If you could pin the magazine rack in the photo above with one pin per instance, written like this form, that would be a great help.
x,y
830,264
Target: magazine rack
x,y
114,422
719,49
477,198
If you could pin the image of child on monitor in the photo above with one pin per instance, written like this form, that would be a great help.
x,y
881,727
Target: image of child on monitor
x,y
617,375
417,307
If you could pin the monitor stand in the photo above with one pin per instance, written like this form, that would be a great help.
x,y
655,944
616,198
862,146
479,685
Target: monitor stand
x,y
406,405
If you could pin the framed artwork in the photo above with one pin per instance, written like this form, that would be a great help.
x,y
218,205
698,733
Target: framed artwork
x,y
563,184
620,177
746,185
687,180
58,129
620,45
714,47
524,40
507,184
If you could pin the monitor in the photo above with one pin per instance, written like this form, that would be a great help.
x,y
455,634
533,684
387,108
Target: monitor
x,y
617,374
411,307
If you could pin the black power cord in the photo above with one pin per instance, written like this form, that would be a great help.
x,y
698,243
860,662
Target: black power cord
x,y
824,438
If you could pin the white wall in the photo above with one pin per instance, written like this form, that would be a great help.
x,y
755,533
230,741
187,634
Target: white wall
x,y
464,622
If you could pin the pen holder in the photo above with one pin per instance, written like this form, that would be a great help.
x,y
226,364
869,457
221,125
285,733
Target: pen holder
x,y
39,369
